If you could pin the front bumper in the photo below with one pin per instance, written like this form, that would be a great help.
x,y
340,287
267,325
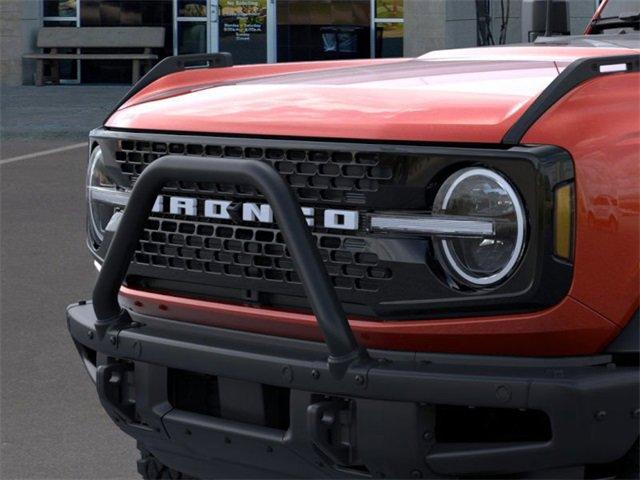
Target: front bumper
x,y
380,418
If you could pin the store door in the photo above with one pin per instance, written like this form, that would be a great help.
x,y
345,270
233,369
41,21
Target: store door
x,y
191,27
246,29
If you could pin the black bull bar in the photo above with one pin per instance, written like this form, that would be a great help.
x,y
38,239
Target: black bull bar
x,y
338,336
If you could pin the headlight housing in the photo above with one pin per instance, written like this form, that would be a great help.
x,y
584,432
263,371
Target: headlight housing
x,y
483,260
104,196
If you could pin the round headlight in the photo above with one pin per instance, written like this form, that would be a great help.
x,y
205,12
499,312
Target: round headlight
x,y
104,197
483,260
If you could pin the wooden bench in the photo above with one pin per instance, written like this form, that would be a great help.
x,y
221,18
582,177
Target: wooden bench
x,y
56,38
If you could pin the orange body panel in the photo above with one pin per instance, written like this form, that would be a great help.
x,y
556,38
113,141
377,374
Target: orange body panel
x,y
570,328
599,123
391,109
189,80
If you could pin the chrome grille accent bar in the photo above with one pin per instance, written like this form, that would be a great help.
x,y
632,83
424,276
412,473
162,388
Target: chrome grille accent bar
x,y
436,225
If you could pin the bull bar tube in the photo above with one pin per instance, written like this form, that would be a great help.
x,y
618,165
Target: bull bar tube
x,y
342,345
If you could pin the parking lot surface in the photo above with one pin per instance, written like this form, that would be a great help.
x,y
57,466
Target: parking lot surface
x,y
51,423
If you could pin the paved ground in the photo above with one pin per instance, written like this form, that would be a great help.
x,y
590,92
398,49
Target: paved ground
x,y
51,424
54,113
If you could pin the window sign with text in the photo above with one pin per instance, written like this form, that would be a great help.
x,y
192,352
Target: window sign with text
x,y
243,30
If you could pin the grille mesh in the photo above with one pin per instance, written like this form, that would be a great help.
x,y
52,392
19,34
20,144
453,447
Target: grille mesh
x,y
256,253
314,175
218,247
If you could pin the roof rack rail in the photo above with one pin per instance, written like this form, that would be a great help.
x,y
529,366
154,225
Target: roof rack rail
x,y
174,64
574,74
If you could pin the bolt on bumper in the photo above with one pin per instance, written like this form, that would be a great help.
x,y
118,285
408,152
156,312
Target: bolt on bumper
x,y
590,403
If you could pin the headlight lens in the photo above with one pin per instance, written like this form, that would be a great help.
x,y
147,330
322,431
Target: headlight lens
x,y
103,195
484,260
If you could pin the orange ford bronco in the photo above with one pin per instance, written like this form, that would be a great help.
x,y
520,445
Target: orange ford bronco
x,y
419,267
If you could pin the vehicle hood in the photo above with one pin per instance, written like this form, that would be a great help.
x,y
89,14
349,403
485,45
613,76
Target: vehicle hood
x,y
467,96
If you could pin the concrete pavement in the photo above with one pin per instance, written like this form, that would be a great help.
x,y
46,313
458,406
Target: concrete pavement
x,y
51,423
33,118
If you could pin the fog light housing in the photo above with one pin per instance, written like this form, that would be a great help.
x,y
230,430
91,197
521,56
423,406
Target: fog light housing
x,y
486,259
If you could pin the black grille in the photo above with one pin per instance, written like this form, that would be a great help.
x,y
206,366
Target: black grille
x,y
248,262
255,253
194,248
314,175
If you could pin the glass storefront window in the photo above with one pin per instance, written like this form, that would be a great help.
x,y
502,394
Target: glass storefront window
x,y
389,39
122,13
340,40
59,8
323,29
306,29
192,8
389,28
243,30
62,13
192,37
389,8
126,13
68,68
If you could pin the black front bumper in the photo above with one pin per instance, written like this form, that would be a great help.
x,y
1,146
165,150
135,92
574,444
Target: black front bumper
x,y
380,418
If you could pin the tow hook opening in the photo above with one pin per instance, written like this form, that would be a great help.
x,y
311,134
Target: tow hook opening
x,y
463,424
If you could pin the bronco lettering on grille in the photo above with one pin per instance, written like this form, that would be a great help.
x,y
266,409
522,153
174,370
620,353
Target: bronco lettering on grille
x,y
250,212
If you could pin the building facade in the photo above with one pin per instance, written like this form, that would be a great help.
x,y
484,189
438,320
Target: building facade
x,y
258,31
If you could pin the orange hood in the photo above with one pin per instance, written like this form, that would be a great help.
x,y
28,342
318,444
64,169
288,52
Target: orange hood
x,y
468,96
